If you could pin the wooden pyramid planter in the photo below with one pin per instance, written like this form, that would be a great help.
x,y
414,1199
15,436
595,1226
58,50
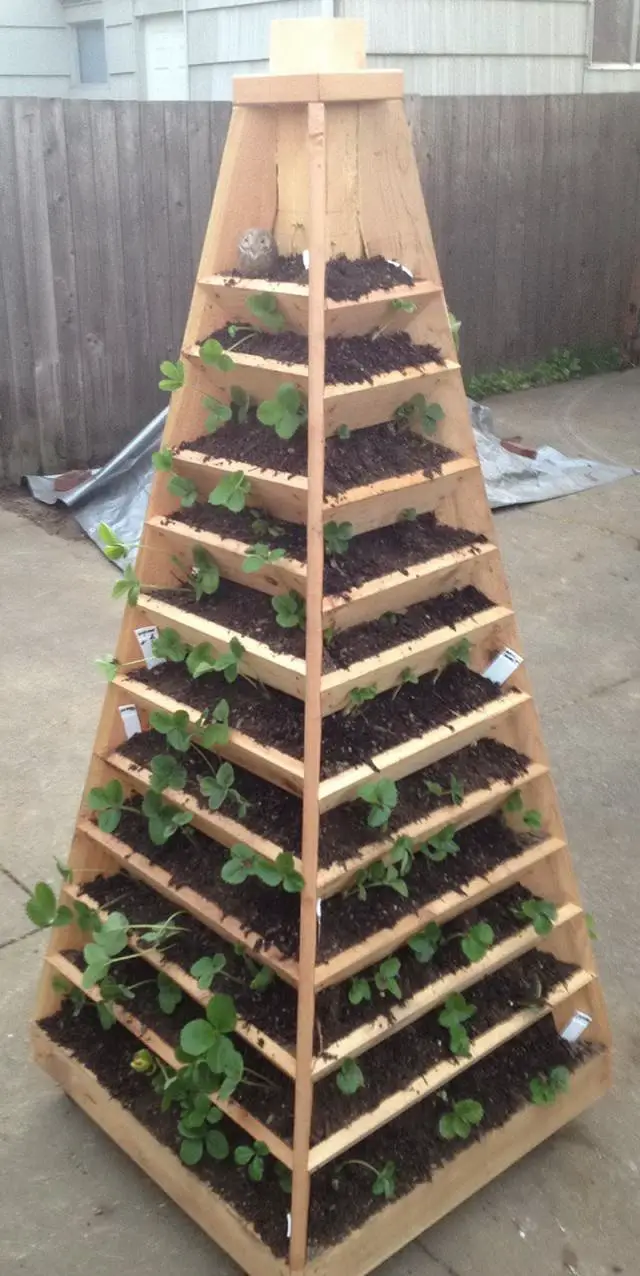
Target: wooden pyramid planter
x,y
381,967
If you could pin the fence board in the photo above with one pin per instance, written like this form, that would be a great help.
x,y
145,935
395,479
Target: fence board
x,y
103,208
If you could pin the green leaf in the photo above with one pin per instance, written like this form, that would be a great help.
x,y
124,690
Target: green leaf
x,y
172,375
256,1169
41,906
409,307
456,790
167,773
243,1155
532,819
359,991
112,794
286,413
127,587
197,1037
217,414
221,1013
241,403
384,1183
264,307
205,969
262,980
350,1077
191,1151
217,1145
184,488
169,994
205,576
514,802
106,1015
162,461
232,492
201,660
176,727
113,547
290,610
169,646
337,537
109,666
214,356
426,943
477,941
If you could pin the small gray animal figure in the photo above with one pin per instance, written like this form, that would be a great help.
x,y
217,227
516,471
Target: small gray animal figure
x,y
257,253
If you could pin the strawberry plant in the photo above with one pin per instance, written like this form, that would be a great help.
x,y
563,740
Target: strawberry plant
x,y
244,863
203,659
409,308
459,1121
252,1159
547,1087
426,943
218,789
259,556
455,791
459,653
456,1012
540,912
407,678
427,415
43,910
184,488
441,845
379,874
343,432
381,796
217,414
286,413
350,1078
290,610
531,818
172,376
359,696
384,1180
337,537
477,941
205,969
210,729
166,773
169,646
204,577
264,307
231,492
214,356
385,979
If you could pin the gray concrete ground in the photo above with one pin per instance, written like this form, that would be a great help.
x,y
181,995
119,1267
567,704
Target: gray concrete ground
x,y
71,1202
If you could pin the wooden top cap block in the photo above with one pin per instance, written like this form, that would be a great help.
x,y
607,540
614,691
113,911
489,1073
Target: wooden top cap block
x,y
317,60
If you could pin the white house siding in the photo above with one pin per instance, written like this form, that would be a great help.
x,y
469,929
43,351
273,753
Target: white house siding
x,y
33,49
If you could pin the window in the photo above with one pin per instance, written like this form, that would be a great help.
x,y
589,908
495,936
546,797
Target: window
x,y
91,52
615,31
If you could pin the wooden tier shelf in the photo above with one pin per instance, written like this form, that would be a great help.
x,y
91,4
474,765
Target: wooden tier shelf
x,y
439,1076
343,318
382,1234
156,1044
357,406
288,772
366,508
350,960
392,592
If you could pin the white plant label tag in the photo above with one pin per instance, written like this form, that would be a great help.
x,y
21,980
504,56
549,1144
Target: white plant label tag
x,y
576,1026
393,262
146,635
503,666
288,1227
130,720
319,913
306,258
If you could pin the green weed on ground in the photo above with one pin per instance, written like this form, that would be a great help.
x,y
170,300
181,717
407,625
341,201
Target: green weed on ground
x,y
568,364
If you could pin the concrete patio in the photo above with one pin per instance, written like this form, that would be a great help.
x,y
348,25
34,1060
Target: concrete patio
x,y
71,1202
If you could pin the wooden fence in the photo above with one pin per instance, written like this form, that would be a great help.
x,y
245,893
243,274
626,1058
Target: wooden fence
x,y
103,206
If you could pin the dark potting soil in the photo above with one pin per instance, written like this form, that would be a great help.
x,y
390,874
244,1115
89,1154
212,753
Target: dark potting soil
x,y
367,456
341,1193
277,720
348,360
277,815
268,1094
274,1011
196,861
249,613
373,554
341,1198
346,278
